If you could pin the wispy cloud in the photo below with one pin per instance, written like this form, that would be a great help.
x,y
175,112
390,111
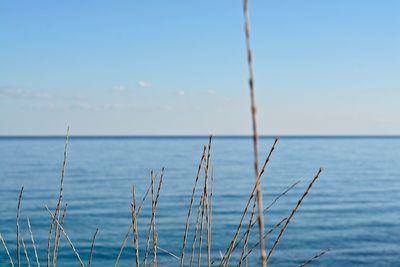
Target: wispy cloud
x,y
181,93
144,84
114,106
120,88
211,92
18,93
82,106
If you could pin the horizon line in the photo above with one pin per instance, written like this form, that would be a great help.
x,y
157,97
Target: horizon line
x,y
184,136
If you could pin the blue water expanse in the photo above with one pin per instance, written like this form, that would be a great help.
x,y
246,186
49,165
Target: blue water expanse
x,y
353,209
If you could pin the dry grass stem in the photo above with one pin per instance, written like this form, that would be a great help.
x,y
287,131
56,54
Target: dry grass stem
x,y
206,196
7,252
154,202
66,236
265,236
201,228
134,223
168,252
130,226
154,206
56,214
28,262
314,258
57,241
210,221
92,247
204,209
33,242
292,214
195,231
232,245
18,231
151,220
265,210
247,233
190,205
281,195
255,133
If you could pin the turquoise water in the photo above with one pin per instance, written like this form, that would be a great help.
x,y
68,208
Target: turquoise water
x,y
353,209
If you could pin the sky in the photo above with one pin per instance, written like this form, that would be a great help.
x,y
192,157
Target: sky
x,y
173,67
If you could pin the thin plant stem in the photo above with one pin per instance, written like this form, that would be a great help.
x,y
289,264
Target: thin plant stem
x,y
231,246
292,214
18,231
66,236
56,214
255,133
153,214
7,252
151,220
168,252
314,258
33,242
203,155
134,223
92,247
209,232
265,210
57,241
130,226
265,236
195,231
204,210
28,262
247,234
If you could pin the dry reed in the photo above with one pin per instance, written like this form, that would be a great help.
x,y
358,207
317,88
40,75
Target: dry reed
x,y
203,155
210,221
134,223
130,226
229,250
195,231
247,233
292,214
66,236
267,208
154,202
33,242
92,246
28,262
204,209
169,253
314,258
58,201
265,236
18,231
151,220
57,241
7,252
255,133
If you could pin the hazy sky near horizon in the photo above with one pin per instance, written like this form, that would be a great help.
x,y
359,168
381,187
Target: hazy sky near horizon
x,y
179,67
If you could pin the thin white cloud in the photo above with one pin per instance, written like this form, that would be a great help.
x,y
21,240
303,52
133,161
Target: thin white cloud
x,y
113,106
211,92
18,93
181,93
119,88
82,106
144,84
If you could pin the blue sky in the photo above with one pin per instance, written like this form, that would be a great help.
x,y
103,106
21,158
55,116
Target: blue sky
x,y
179,67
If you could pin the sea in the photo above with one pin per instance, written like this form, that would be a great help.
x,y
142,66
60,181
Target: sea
x,y
352,212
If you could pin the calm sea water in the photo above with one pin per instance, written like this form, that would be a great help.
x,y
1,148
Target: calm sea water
x,y
354,208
